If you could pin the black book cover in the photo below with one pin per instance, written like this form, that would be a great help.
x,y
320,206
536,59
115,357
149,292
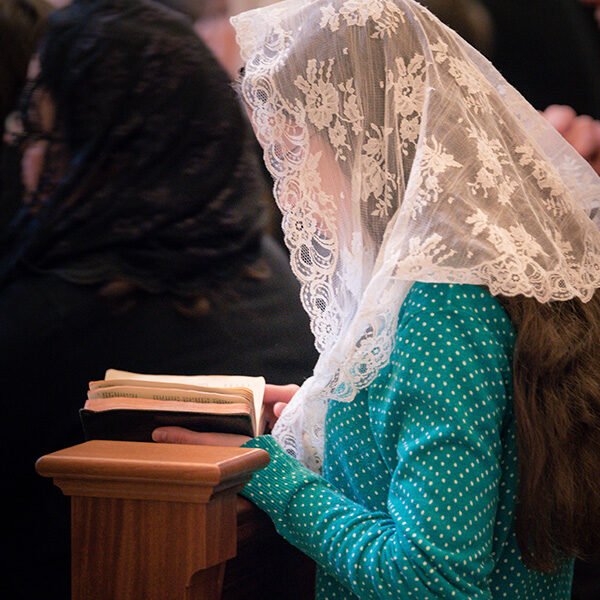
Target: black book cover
x,y
131,425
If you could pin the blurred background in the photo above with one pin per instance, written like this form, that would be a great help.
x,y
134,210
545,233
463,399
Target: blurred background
x,y
548,49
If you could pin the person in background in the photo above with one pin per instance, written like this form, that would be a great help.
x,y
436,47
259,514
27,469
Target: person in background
x,y
581,131
141,247
21,26
447,242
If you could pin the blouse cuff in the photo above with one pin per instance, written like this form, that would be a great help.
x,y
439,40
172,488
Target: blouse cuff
x,y
272,488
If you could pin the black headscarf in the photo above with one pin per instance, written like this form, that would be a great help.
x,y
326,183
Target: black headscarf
x,y
161,187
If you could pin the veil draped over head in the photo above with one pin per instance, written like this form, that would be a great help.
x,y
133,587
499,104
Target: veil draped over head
x,y
400,154
160,184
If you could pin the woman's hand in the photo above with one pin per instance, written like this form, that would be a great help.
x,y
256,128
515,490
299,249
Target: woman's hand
x,y
179,435
276,399
581,131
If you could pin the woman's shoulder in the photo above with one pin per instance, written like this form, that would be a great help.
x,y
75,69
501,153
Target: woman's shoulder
x,y
471,304
454,297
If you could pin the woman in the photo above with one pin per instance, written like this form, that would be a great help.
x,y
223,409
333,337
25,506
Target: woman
x,y
442,236
141,247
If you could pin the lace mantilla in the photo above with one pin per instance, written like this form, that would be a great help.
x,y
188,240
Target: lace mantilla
x,y
400,154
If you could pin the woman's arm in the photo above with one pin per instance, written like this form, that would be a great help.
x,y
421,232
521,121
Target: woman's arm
x,y
436,538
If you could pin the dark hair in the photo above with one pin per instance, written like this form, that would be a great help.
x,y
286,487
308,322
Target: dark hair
x,y
22,24
556,373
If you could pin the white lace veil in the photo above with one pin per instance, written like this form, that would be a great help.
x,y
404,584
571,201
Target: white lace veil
x,y
400,154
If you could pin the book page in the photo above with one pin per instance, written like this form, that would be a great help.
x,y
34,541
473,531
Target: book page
x,y
242,392
169,393
103,404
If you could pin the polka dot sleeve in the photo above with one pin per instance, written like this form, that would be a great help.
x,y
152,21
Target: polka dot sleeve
x,y
436,414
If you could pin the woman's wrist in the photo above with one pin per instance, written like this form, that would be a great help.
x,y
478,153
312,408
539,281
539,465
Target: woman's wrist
x,y
272,488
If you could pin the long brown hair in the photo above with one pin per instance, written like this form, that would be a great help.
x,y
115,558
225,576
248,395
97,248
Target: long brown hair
x,y
557,411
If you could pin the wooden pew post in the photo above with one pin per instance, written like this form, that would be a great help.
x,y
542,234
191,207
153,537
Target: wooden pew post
x,y
151,521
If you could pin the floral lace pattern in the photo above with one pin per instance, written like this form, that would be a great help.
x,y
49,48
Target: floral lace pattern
x,y
400,154
385,16
435,161
327,105
464,74
554,190
407,84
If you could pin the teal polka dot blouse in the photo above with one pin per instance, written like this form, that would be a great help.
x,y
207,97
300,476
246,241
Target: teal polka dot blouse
x,y
420,471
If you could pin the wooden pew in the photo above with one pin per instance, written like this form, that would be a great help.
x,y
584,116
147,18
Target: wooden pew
x,y
164,522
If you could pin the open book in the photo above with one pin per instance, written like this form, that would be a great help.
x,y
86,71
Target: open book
x,y
129,406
